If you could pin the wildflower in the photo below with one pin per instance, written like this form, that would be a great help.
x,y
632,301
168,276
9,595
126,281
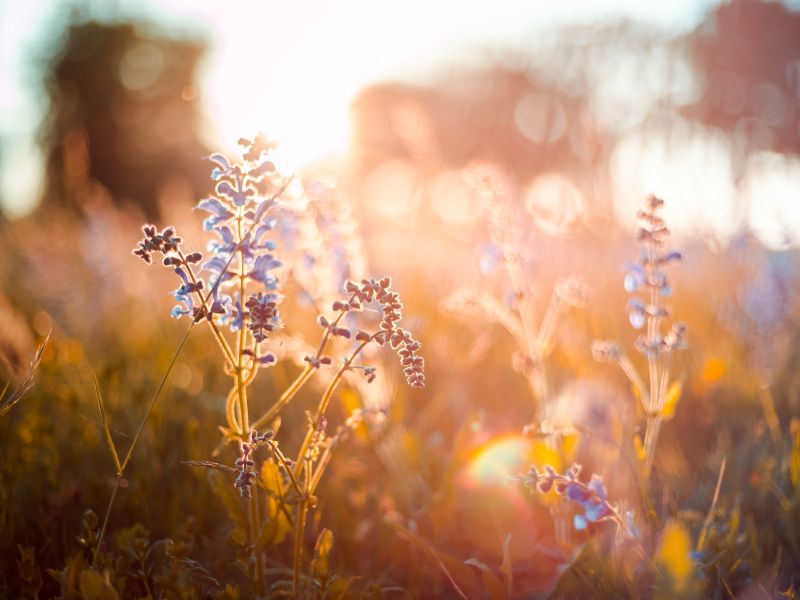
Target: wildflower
x,y
649,276
239,219
263,313
399,339
590,497
245,463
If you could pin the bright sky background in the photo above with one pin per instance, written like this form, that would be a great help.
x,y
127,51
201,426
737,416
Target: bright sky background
x,y
303,61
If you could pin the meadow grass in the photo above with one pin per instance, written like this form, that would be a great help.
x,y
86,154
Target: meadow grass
x,y
261,447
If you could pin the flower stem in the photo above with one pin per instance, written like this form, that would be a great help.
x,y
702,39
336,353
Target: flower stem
x,y
255,527
299,533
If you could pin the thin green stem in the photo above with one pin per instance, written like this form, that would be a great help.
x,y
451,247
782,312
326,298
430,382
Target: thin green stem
x,y
285,398
304,465
299,533
651,439
323,404
282,459
240,356
633,376
117,482
298,383
321,466
255,527
546,329
156,396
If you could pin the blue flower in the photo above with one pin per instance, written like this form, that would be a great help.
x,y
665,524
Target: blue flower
x,y
264,264
223,166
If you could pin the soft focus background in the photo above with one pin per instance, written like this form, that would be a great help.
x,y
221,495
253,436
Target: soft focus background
x,y
107,110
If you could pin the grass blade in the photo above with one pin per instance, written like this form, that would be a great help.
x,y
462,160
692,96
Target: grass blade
x,y
27,382
5,389
109,439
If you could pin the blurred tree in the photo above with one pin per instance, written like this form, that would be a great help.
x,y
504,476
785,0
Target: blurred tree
x,y
557,108
122,114
495,114
749,52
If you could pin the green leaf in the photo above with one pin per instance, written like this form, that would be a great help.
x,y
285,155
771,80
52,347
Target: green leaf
x,y
109,439
95,586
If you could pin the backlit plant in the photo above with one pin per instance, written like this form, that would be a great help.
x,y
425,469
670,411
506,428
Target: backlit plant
x,y
649,276
236,291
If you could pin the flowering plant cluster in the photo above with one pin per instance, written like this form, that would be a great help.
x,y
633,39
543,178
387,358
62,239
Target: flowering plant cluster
x,y
591,497
236,288
649,275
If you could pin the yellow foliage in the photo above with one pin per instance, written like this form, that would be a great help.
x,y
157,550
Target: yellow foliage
x,y
95,586
569,443
351,402
322,550
277,526
794,461
542,454
713,370
674,555
671,402
638,448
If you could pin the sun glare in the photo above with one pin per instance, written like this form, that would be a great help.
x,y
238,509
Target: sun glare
x,y
499,460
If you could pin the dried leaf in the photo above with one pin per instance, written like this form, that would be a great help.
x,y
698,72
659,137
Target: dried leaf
x,y
277,525
320,565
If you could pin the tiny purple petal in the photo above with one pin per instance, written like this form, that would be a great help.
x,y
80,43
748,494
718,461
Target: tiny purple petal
x,y
215,207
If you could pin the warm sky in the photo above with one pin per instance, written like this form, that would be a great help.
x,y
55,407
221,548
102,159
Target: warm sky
x,y
312,55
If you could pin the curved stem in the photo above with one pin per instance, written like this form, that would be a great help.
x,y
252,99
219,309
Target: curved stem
x,y
285,398
301,380
230,410
282,459
326,398
304,465
255,524
240,379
